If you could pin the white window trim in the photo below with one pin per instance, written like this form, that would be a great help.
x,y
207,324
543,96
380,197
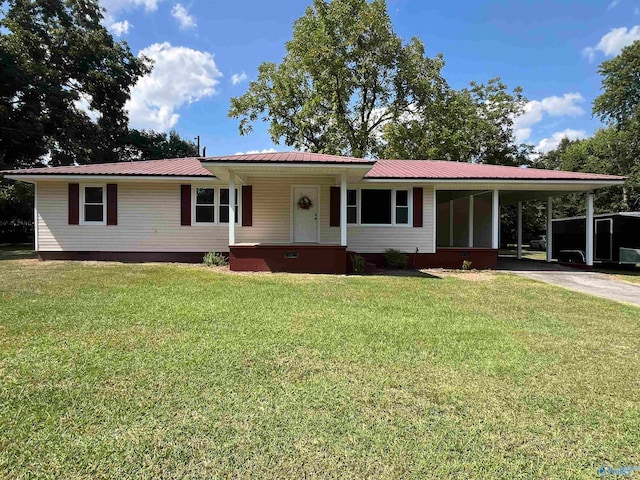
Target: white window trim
x,y
238,201
194,198
393,223
357,205
104,203
216,206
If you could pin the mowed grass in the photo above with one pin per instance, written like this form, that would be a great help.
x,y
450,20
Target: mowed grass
x,y
164,371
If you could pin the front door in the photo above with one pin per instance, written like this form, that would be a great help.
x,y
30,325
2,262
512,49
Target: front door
x,y
305,210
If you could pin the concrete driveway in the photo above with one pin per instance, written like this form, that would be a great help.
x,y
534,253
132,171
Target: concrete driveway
x,y
593,283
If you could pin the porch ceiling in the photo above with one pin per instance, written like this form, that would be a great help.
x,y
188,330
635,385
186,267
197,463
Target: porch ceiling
x,y
509,197
354,172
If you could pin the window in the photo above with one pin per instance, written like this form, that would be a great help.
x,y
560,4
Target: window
x,y
352,206
93,209
205,205
224,205
379,207
402,207
376,207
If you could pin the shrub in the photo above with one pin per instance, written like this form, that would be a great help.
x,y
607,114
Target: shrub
x,y
466,265
217,259
358,263
395,259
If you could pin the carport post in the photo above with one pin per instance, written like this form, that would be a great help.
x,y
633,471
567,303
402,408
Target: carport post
x,y
589,229
549,228
470,221
495,224
519,255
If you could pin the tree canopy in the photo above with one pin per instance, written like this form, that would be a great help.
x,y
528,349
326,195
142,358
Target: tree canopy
x,y
614,149
59,63
472,124
619,104
348,85
344,75
150,145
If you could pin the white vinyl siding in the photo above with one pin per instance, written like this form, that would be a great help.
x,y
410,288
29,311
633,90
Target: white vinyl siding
x,y
272,218
376,239
148,221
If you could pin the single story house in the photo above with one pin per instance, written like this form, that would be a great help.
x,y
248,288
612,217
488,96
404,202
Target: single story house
x,y
292,211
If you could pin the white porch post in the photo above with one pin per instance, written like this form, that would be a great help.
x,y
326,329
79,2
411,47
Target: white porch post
x,y
495,222
549,228
589,220
343,209
470,221
232,208
519,255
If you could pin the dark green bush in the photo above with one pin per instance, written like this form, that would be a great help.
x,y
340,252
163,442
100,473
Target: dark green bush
x,y
358,263
217,259
395,259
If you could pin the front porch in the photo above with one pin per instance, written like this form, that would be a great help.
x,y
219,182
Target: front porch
x,y
292,258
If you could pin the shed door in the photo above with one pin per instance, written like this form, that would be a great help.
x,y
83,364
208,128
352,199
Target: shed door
x,y
604,239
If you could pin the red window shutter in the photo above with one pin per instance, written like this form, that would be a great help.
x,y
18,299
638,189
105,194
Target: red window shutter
x,y
185,204
112,204
247,205
74,203
417,207
334,207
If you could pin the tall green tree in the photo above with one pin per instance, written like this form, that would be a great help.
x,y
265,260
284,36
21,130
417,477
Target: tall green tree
x,y
150,145
619,104
344,75
56,55
473,124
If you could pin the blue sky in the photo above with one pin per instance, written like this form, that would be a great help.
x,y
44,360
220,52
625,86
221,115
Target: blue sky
x,y
206,52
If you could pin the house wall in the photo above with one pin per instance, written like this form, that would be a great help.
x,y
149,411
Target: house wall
x,y
149,220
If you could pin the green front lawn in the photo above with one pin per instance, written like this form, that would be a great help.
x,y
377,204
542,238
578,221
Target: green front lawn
x,y
147,371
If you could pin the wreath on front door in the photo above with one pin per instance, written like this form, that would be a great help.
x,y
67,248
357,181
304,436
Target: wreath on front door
x,y
305,203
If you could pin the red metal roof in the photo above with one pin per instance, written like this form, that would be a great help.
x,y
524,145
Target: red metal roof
x,y
443,170
381,169
287,157
181,167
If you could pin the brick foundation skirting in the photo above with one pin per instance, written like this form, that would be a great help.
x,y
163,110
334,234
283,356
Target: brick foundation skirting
x,y
134,257
289,258
293,258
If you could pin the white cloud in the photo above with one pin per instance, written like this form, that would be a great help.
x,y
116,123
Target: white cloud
x,y
119,28
83,104
613,5
554,106
236,78
614,41
547,144
180,76
250,152
181,14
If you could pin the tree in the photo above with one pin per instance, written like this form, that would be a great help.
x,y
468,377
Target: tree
x,y
619,104
473,124
345,74
58,63
150,145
